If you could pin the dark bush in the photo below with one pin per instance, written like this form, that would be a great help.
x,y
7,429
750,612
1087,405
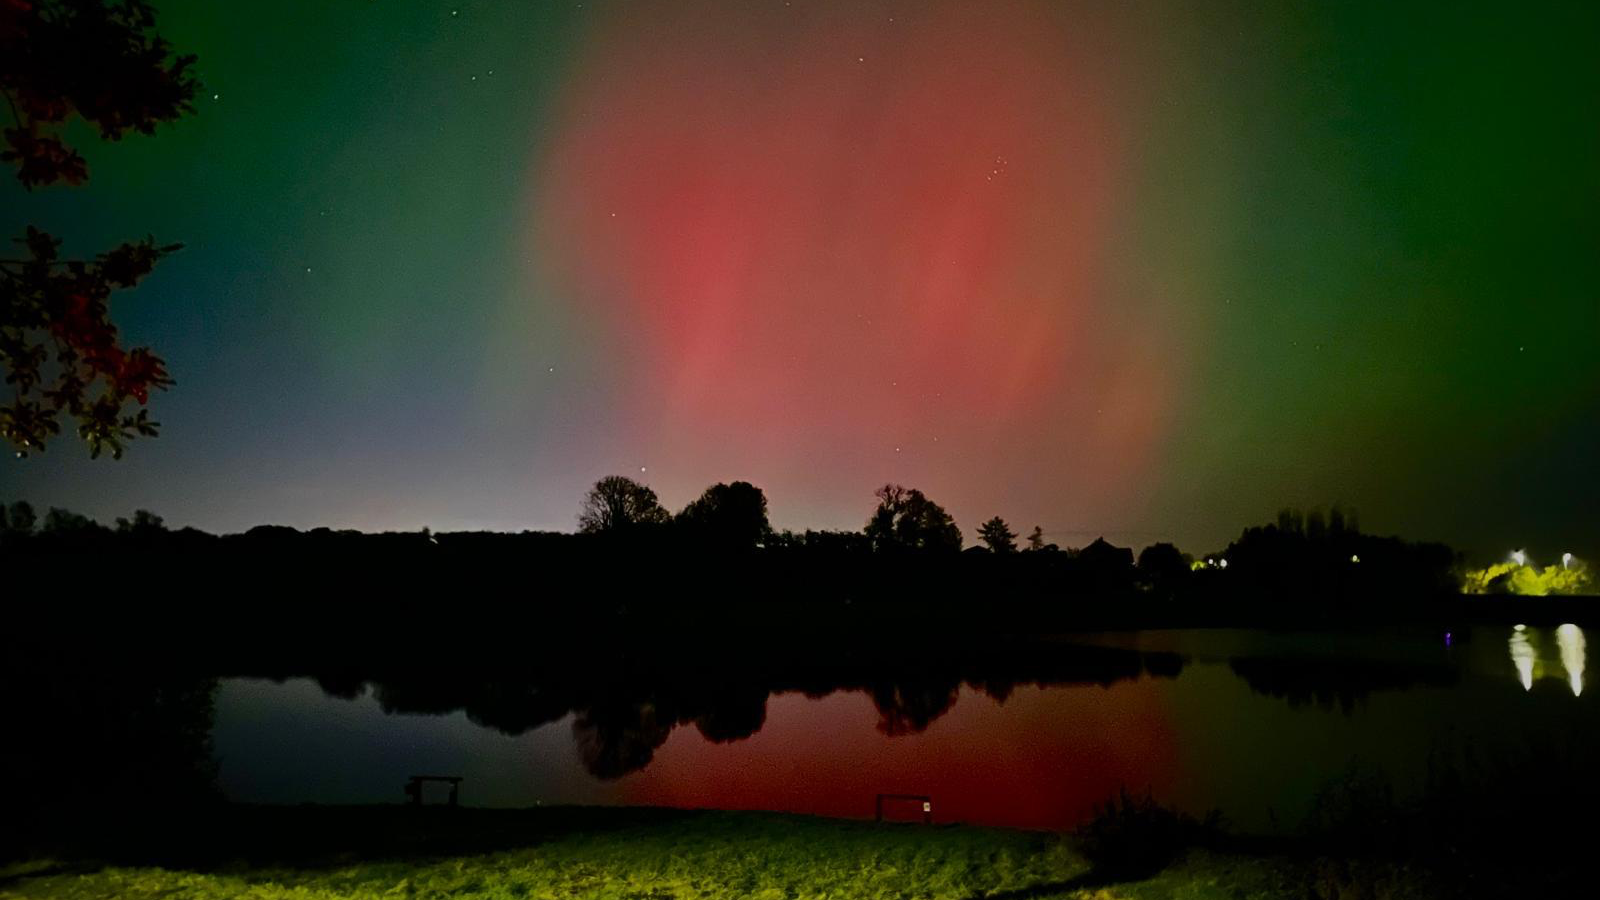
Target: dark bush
x,y
1356,814
1135,837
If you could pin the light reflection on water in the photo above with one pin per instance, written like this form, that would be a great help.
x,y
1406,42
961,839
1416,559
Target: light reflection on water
x,y
1570,644
1570,639
1523,656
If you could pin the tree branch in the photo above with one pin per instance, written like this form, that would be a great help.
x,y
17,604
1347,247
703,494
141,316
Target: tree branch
x,y
15,115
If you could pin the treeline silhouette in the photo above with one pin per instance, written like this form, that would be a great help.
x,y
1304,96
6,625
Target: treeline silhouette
x,y
107,731
105,727
622,714
1329,681
714,577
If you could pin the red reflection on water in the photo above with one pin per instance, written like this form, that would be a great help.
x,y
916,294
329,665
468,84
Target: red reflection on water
x,y
1041,759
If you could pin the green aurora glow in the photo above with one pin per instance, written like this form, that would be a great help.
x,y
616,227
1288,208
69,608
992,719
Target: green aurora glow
x,y
1357,242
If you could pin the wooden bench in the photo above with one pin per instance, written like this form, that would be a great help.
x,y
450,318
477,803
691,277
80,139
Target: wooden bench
x,y
924,799
414,787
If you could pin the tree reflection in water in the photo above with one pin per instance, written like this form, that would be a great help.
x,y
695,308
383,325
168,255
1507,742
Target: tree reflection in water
x,y
621,716
1326,682
619,721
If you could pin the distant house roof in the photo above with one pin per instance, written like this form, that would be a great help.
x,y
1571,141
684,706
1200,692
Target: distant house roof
x,y
1102,553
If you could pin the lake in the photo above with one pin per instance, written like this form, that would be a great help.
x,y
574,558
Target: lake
x,y
1250,723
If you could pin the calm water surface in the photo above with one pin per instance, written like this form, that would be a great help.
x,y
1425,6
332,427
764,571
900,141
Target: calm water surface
x,y
1254,724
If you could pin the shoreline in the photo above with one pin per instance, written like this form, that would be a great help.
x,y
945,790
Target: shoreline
x,y
272,852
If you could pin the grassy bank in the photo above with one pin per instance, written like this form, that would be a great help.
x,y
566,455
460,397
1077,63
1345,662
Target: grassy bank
x,y
380,852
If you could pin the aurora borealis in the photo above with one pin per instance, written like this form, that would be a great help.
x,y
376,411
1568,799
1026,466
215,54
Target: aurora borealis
x,y
1151,270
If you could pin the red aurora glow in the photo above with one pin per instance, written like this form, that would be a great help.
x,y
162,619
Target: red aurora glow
x,y
829,246
1042,760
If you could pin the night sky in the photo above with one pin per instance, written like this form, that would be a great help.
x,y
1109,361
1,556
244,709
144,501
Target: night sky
x,y
1150,270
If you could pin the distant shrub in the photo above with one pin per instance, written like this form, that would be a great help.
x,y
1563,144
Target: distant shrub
x,y
1342,879
1356,813
1487,821
1133,837
1569,577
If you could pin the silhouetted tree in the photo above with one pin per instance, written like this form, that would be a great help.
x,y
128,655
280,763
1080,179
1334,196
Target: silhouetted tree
x,y
145,524
102,62
1163,567
1036,538
1316,526
65,522
22,518
732,516
272,535
906,520
998,536
617,503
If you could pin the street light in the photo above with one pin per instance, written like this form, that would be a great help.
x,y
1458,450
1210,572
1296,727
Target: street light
x,y
1520,557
